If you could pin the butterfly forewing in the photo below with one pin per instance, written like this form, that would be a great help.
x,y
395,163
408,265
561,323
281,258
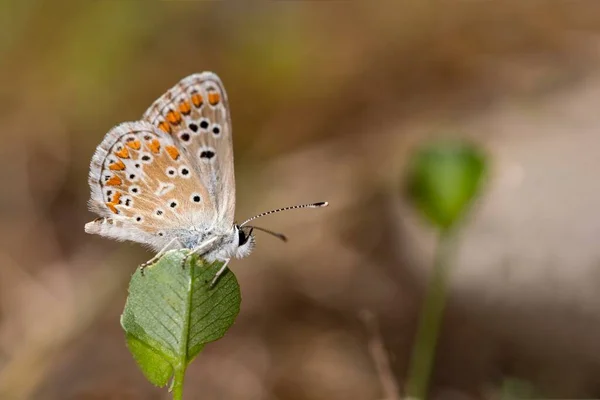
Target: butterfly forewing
x,y
145,186
195,114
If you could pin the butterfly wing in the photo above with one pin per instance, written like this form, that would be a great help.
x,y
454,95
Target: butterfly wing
x,y
195,113
145,187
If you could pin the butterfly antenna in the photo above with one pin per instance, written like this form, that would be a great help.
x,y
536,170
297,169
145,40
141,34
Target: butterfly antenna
x,y
311,205
279,236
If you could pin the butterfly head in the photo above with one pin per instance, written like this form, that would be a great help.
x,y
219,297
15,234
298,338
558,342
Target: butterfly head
x,y
245,241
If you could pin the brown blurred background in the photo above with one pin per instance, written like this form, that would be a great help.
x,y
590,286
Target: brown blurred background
x,y
328,99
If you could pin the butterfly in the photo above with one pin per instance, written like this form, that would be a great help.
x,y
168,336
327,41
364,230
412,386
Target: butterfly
x,y
167,181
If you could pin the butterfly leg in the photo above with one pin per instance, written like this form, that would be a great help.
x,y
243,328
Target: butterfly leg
x,y
156,257
221,271
200,250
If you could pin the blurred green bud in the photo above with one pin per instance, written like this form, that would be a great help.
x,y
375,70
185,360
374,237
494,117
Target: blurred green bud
x,y
443,179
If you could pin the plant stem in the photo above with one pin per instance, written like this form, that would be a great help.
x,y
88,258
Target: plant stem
x,y
430,321
179,375
178,379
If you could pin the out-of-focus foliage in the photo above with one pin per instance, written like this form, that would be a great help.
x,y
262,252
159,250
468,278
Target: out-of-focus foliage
x,y
443,179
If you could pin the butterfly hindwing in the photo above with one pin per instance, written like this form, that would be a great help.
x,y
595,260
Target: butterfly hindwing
x,y
195,113
144,186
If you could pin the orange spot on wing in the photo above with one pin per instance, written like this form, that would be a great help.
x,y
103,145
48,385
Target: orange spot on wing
x,y
134,144
116,198
123,153
184,107
173,117
114,181
117,166
164,126
112,207
173,152
154,146
213,98
197,99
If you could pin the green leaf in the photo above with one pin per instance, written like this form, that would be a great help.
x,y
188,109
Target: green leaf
x,y
171,313
444,178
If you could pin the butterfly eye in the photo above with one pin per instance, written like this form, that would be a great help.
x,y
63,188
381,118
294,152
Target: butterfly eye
x,y
242,237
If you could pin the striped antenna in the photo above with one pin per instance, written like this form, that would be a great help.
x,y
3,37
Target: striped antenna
x,y
311,205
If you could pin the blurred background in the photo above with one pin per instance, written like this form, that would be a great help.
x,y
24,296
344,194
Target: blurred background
x,y
328,100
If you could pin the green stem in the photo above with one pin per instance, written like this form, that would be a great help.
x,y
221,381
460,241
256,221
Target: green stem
x,y
179,375
178,379
430,321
